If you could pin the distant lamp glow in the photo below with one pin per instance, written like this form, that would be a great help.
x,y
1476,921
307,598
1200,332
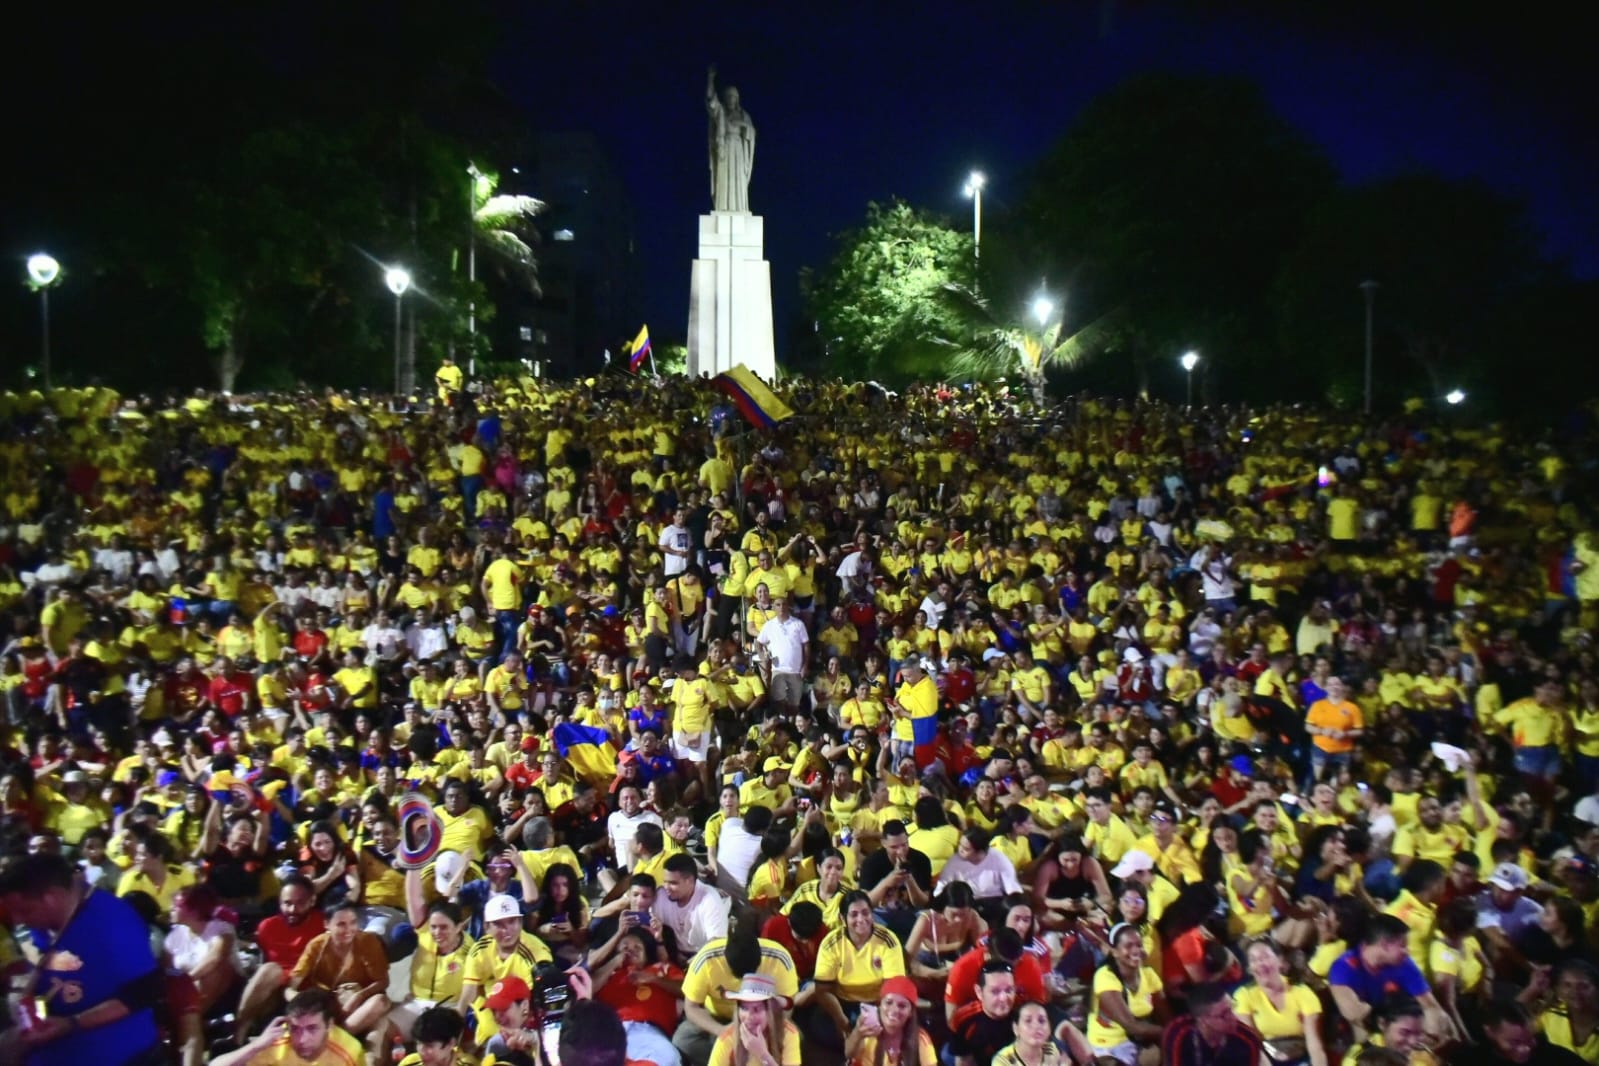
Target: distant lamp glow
x,y
398,279
563,235
1043,308
974,184
43,270
1455,396
1189,361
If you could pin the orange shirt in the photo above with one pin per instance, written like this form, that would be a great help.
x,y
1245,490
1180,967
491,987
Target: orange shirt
x,y
1325,714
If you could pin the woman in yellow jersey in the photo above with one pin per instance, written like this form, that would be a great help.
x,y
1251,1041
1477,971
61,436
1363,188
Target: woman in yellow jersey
x,y
1128,1008
831,688
1286,1015
984,810
1253,893
1572,1020
1456,964
845,796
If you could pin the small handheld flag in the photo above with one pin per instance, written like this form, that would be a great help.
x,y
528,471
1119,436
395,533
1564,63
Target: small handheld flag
x,y
638,350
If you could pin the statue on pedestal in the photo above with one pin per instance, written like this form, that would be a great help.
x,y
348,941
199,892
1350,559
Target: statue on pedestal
x,y
732,143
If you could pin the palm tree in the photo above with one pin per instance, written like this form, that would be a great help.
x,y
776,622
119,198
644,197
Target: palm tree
x,y
498,224
993,347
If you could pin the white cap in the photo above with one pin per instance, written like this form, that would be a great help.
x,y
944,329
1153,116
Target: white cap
x,y
1133,655
990,654
1509,876
74,777
1134,862
445,867
161,739
501,906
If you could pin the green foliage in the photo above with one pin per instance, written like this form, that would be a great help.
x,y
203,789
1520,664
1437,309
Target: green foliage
x,y
670,359
880,301
989,345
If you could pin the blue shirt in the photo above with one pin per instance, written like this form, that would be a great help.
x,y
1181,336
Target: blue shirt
x,y
103,948
1374,986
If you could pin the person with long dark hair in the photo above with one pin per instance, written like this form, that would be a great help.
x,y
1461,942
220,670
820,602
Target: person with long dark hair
x,y
561,916
892,1035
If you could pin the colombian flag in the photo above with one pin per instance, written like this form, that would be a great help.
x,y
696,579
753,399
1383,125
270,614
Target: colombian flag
x,y
757,403
588,749
639,350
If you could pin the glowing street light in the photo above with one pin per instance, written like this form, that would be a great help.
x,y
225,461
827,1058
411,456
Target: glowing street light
x,y
1455,397
1043,308
398,279
1189,361
974,192
43,272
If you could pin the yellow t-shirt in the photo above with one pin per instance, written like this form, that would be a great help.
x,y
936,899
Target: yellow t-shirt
x,y
342,1049
1299,1006
709,977
860,971
1104,1033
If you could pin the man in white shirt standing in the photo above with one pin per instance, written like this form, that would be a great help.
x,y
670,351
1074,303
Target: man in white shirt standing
x,y
695,912
676,549
1215,573
788,655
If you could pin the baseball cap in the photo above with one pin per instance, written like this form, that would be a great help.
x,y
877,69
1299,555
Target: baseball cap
x,y
74,777
500,907
755,988
530,743
1134,862
773,764
161,739
1509,876
445,867
1241,764
507,990
899,986
1133,655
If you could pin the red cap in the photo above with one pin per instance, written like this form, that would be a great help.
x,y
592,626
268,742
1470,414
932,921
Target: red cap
x,y
506,991
899,986
530,743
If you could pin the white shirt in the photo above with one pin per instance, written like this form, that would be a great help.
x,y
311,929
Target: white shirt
x,y
934,609
737,849
698,922
786,640
1212,567
189,949
674,537
427,642
384,642
623,829
118,563
990,879
853,566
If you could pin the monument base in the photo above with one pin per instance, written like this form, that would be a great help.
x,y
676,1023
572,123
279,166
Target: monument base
x,y
730,298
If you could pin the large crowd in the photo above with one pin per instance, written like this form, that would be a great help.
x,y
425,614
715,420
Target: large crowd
x,y
536,722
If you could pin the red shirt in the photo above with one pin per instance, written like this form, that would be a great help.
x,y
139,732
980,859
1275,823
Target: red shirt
x,y
229,692
643,1003
520,776
310,643
803,952
961,988
283,943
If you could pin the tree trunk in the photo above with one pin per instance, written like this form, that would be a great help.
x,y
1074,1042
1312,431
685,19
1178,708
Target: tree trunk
x,y
231,359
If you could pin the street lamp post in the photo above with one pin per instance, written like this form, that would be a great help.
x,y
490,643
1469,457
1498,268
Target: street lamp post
x,y
1370,289
1189,361
398,279
43,272
974,192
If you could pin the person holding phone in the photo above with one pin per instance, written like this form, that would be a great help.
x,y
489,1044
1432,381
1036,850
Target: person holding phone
x,y
890,1031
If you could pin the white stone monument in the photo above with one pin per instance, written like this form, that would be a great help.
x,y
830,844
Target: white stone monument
x,y
730,297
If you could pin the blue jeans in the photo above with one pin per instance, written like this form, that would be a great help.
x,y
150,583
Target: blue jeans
x,y
1539,761
505,626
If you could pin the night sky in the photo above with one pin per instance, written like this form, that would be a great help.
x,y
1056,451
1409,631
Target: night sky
x,y
862,101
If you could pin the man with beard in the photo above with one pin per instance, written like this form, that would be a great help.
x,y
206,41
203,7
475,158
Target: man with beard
x,y
282,939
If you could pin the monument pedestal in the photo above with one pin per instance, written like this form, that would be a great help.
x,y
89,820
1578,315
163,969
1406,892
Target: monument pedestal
x,y
730,298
